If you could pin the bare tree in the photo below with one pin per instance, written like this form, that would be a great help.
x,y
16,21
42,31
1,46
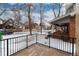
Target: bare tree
x,y
58,7
29,5
41,15
17,17
54,12
2,11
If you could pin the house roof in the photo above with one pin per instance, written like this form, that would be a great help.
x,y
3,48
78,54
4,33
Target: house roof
x,y
67,6
62,19
9,21
1,19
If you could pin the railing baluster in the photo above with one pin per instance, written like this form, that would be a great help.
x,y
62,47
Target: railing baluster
x,y
17,44
72,46
68,45
59,44
13,45
4,47
49,41
10,46
65,44
7,48
27,41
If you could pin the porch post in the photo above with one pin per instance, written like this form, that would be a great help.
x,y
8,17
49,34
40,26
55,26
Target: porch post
x,y
77,29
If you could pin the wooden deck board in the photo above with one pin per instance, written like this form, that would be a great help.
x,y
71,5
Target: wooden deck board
x,y
40,50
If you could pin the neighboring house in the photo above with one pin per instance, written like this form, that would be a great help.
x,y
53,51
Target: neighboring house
x,y
65,24
46,26
9,24
34,25
21,26
1,21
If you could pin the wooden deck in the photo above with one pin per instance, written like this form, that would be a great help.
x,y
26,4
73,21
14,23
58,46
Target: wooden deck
x,y
40,50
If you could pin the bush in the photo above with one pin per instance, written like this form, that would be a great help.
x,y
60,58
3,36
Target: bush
x,y
1,33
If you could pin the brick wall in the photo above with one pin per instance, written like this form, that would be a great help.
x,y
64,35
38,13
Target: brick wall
x,y
72,27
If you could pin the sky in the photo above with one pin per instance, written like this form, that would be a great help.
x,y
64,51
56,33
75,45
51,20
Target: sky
x,y
35,15
47,6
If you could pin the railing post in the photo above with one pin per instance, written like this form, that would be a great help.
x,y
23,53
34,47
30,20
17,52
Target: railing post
x,y
49,38
49,41
27,41
7,48
36,38
72,46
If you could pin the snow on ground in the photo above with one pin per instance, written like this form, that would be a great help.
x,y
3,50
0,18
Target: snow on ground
x,y
16,34
20,43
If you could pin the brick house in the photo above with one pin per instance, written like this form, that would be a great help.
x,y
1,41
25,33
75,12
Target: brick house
x,y
65,25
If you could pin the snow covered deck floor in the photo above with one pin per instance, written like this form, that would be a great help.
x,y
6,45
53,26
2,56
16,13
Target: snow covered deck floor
x,y
40,50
